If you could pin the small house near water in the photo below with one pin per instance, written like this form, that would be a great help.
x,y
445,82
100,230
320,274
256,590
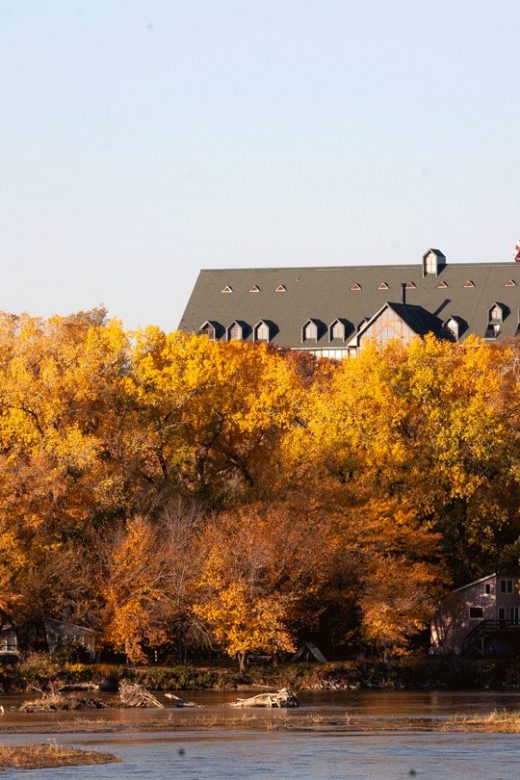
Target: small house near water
x,y
481,618
67,635
8,638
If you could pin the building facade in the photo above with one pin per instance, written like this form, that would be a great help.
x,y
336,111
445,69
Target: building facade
x,y
331,312
480,618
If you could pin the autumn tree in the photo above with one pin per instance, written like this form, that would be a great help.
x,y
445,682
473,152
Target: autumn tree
x,y
147,583
262,572
432,423
214,411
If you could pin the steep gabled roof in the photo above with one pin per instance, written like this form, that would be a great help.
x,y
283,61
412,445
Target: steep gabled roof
x,y
418,319
326,293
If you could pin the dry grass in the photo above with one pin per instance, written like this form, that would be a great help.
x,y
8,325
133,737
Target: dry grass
x,y
48,755
500,721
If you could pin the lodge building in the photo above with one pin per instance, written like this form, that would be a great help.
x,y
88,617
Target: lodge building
x,y
332,311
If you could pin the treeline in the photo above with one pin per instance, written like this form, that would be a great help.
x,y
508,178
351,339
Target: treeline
x,y
186,496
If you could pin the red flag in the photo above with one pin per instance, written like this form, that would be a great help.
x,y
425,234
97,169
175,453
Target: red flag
x,y
517,251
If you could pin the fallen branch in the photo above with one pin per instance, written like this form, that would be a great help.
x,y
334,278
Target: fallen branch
x,y
282,698
178,701
136,696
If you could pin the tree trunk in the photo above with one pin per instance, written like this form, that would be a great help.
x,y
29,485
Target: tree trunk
x,y
241,661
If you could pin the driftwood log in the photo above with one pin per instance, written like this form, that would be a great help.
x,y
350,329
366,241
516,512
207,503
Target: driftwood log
x,y
282,698
178,701
133,695
53,702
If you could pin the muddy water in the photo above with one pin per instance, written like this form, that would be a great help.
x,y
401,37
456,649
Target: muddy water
x,y
320,739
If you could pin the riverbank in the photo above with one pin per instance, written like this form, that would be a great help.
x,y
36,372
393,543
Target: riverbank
x,y
407,673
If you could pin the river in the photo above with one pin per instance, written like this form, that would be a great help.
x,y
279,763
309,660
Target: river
x,y
354,735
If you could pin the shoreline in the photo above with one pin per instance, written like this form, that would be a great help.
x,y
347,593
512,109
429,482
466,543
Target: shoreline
x,y
408,673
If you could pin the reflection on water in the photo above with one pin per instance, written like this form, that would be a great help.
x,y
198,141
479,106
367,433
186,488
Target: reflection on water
x,y
182,750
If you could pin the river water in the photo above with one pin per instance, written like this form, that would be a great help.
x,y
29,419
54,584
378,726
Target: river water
x,y
361,735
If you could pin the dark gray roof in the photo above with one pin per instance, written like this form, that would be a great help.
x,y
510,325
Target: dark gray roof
x,y
324,294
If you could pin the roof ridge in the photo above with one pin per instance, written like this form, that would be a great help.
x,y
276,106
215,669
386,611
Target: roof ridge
x,y
365,267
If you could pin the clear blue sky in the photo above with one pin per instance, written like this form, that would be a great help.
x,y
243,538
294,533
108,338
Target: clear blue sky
x,y
141,141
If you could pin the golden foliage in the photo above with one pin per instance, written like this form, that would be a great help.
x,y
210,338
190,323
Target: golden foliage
x,y
331,499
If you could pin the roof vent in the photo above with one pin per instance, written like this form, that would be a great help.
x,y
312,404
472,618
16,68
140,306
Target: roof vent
x,y
410,286
510,283
442,285
227,289
281,288
469,284
383,286
433,262
356,286
254,288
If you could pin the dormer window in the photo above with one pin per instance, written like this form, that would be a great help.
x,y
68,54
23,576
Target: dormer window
x,y
452,328
209,329
254,288
433,262
496,313
227,289
337,330
495,320
310,331
281,288
235,332
262,331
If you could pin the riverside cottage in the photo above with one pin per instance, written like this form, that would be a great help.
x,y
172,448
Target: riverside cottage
x,y
481,618
8,638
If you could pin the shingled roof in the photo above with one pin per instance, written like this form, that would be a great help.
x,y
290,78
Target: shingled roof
x,y
289,297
